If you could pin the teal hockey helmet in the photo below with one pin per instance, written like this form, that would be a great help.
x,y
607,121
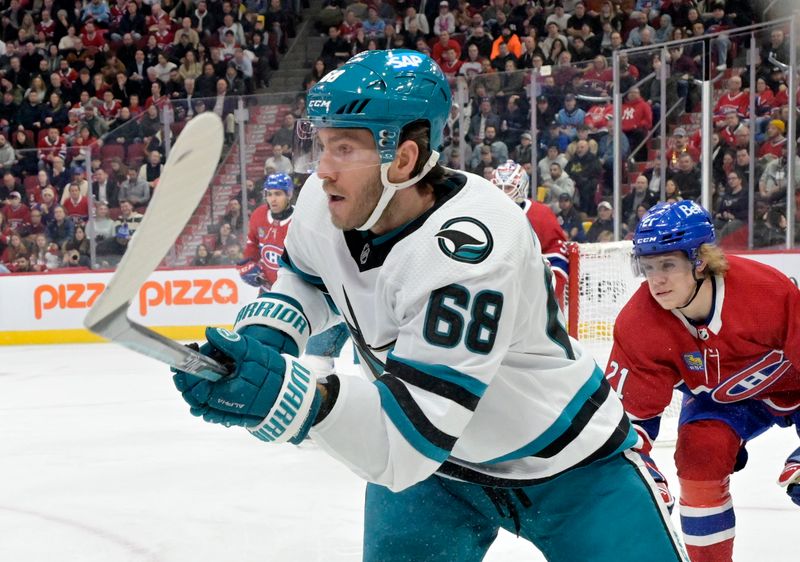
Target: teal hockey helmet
x,y
383,91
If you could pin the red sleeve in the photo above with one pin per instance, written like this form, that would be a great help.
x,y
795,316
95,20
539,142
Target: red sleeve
x,y
791,307
647,116
644,384
251,246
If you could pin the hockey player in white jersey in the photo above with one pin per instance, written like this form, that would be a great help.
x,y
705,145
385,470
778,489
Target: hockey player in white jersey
x,y
479,412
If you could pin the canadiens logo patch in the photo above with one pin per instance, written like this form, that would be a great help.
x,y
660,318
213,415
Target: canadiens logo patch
x,y
753,380
270,255
693,361
465,239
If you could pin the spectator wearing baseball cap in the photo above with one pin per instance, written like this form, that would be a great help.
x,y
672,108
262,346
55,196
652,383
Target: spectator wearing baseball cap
x,y
16,212
603,223
681,143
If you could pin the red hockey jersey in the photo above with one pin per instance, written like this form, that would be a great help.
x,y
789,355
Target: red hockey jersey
x,y
265,238
553,240
749,349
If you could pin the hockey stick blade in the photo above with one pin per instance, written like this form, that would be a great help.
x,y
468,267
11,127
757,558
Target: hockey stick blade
x,y
184,179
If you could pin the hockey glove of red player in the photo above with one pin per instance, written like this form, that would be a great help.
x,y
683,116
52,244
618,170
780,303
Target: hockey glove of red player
x,y
790,477
660,480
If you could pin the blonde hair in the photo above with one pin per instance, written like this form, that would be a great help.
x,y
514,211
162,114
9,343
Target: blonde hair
x,y
716,262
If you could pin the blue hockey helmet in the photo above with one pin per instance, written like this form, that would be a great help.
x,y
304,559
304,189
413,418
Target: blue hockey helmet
x,y
279,181
383,91
668,227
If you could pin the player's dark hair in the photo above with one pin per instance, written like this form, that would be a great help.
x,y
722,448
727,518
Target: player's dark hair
x,y
419,132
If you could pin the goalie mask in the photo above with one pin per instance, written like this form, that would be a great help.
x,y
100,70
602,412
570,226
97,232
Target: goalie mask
x,y
513,180
382,92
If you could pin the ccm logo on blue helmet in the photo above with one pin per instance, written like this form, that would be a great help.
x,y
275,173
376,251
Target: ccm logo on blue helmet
x,y
465,239
646,240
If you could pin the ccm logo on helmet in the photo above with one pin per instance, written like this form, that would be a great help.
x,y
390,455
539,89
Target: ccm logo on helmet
x,y
324,104
646,240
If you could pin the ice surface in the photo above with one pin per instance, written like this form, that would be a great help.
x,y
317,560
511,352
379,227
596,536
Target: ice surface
x,y
100,461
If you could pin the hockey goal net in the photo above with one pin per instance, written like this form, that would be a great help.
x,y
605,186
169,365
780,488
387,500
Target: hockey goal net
x,y
601,282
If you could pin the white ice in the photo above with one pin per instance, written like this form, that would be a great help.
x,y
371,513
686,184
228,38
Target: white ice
x,y
100,461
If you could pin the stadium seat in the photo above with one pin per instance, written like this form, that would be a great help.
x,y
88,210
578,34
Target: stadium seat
x,y
110,151
136,151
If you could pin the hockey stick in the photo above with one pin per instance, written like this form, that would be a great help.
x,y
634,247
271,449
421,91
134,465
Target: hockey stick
x,y
185,177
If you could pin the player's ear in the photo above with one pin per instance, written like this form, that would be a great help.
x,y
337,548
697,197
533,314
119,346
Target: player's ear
x,y
404,162
700,266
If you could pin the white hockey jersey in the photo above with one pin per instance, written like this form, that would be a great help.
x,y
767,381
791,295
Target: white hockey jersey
x,y
471,373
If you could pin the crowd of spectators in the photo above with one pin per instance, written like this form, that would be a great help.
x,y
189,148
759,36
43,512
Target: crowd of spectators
x,y
79,79
498,46
84,86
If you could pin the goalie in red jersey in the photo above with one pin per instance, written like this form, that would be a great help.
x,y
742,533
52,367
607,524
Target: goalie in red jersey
x,y
701,324
514,181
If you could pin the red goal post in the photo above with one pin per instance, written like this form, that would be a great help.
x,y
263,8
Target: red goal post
x,y
601,281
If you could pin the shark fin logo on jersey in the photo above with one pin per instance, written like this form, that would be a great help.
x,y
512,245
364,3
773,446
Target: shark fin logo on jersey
x,y
753,380
694,361
465,239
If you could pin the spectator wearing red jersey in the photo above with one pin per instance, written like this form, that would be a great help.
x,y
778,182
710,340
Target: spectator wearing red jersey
x,y
350,26
445,42
16,212
598,75
51,145
637,120
47,26
734,99
450,64
110,108
92,39
77,205
163,34
730,127
773,145
157,14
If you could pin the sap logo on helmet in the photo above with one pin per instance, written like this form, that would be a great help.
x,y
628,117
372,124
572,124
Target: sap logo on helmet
x,y
404,62
324,104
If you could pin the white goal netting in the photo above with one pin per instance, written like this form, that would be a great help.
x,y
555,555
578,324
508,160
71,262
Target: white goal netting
x,y
605,283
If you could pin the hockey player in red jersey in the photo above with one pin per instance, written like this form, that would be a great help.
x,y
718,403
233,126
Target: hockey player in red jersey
x,y
265,244
266,232
735,354
513,180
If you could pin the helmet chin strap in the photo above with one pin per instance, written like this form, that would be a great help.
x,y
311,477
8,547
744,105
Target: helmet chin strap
x,y
390,188
698,283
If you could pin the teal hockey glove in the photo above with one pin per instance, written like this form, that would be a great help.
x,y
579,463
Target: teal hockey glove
x,y
271,394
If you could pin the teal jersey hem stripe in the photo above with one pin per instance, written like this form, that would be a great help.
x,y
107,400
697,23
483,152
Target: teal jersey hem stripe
x,y
561,423
406,428
469,383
